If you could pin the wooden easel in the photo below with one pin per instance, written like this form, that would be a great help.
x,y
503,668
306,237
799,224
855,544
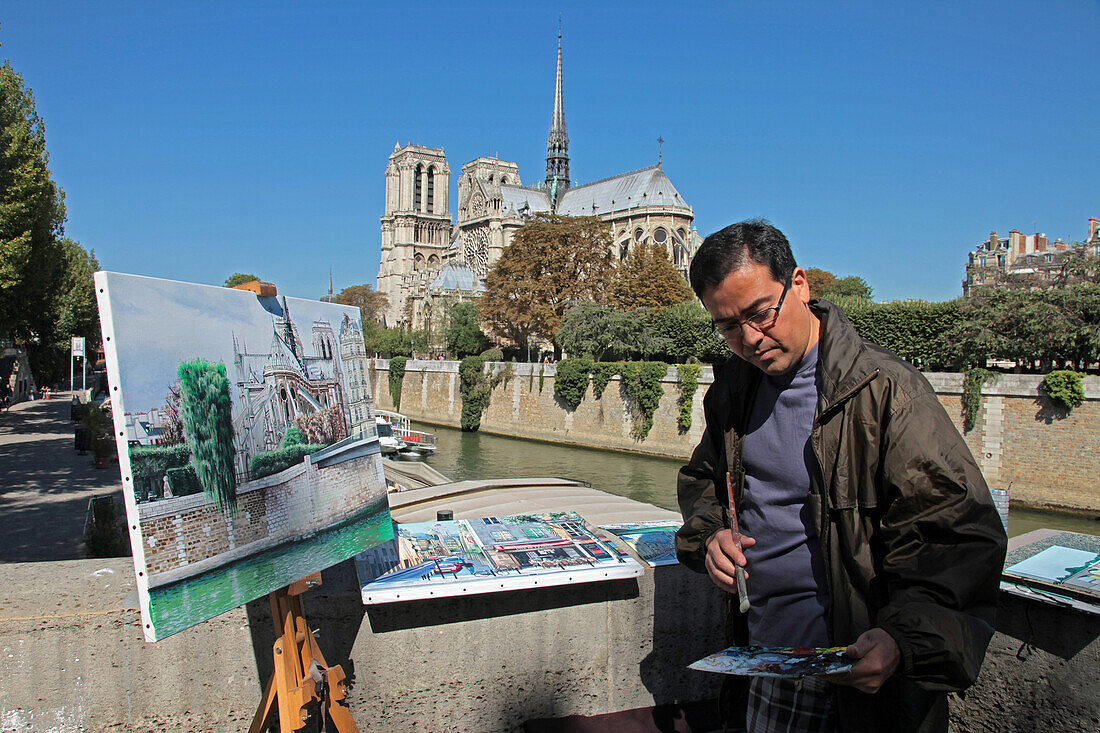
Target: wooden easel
x,y
301,677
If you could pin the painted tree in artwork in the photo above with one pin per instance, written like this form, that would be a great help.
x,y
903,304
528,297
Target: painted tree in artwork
x,y
208,425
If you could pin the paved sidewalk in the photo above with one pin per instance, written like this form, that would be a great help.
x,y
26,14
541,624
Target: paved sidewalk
x,y
45,484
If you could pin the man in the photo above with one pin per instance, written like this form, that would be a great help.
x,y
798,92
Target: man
x,y
865,520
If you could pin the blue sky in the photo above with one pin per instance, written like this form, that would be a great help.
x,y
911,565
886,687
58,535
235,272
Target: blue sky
x,y
198,139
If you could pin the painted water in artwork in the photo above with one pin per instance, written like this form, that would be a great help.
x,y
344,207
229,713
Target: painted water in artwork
x,y
246,441
489,554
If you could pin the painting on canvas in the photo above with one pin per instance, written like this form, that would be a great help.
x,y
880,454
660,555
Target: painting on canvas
x,y
773,661
489,554
246,441
654,541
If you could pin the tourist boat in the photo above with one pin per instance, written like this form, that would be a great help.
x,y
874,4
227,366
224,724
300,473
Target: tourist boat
x,y
413,442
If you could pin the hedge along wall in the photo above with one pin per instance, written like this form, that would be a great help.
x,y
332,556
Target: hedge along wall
x,y
1050,457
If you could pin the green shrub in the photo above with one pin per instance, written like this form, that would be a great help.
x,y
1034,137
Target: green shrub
x,y
397,378
642,382
493,354
602,372
542,376
571,382
1063,387
689,382
265,464
154,461
293,437
183,481
973,380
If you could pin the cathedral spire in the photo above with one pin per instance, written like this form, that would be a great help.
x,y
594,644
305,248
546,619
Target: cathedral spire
x,y
557,144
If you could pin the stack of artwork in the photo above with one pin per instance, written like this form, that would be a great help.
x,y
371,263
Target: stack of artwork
x,y
245,438
489,554
1066,563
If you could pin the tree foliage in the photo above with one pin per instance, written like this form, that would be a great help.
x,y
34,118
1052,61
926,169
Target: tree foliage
x,y
852,286
646,279
552,263
371,304
678,333
239,278
819,281
1034,328
463,334
208,425
32,216
74,312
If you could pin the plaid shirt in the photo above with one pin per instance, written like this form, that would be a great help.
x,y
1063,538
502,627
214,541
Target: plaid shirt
x,y
781,705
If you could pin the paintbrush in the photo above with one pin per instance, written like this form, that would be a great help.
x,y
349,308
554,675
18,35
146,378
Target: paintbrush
x,y
739,572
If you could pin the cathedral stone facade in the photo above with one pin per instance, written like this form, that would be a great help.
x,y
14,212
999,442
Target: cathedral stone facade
x,y
429,261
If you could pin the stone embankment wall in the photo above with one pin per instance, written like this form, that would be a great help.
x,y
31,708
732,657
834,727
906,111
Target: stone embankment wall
x,y
1050,457
300,500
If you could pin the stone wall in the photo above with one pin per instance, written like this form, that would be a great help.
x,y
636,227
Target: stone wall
x,y
1048,456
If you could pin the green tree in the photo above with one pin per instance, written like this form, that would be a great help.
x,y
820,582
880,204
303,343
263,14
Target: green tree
x,y
32,217
819,281
598,332
552,263
852,286
371,304
239,278
463,334
73,312
208,425
646,279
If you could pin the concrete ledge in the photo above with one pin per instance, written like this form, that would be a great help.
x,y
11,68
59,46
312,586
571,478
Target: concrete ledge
x,y
74,659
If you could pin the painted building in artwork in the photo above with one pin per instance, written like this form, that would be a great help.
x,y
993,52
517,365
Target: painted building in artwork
x,y
284,383
353,354
419,241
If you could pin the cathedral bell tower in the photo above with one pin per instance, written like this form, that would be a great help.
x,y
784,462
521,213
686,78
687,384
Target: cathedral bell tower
x,y
416,223
557,144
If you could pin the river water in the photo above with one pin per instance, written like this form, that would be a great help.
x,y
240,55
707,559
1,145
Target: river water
x,y
462,456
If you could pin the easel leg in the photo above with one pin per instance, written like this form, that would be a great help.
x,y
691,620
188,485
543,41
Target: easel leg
x,y
292,687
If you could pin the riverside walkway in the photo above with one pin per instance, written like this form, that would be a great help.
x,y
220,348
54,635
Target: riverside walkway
x,y
45,484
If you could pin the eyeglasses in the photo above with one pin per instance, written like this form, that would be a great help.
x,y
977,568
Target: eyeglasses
x,y
759,321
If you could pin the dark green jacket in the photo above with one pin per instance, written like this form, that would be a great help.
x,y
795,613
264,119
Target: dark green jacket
x,y
911,537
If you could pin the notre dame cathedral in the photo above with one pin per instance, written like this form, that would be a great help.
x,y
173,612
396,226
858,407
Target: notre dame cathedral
x,y
428,260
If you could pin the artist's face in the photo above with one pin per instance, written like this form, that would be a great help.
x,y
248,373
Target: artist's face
x,y
786,335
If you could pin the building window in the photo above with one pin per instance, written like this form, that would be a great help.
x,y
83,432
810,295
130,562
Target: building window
x,y
624,250
417,187
431,190
660,236
638,233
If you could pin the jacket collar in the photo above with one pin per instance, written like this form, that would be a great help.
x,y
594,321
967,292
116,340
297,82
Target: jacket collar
x,y
841,367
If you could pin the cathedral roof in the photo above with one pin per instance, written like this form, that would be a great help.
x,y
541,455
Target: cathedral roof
x,y
457,276
643,187
519,197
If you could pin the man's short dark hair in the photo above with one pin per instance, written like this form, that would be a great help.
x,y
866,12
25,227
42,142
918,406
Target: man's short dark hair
x,y
726,251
